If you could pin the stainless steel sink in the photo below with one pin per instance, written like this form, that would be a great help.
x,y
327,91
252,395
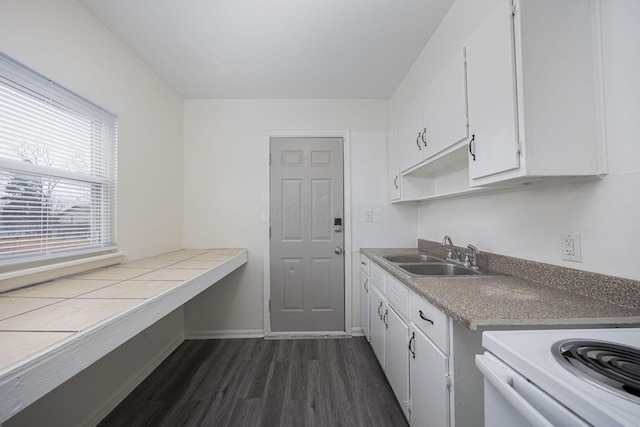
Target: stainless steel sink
x,y
407,258
423,265
438,269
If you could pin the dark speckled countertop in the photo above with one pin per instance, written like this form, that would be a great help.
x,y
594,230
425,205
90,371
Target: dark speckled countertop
x,y
507,300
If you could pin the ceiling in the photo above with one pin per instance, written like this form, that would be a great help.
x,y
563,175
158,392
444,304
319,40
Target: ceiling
x,y
328,49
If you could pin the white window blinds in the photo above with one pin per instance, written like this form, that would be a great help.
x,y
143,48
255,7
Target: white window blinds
x,y
57,169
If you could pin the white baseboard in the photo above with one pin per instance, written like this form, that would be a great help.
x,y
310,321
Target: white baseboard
x,y
313,334
118,396
221,334
209,334
357,331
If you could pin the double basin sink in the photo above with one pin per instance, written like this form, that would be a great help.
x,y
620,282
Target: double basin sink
x,y
423,265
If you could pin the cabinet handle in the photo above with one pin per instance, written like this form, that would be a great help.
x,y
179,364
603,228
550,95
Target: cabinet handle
x,y
472,147
395,182
365,285
418,141
422,316
386,325
413,337
380,312
424,141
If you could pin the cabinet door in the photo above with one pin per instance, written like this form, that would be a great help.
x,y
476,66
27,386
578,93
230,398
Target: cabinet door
x,y
397,357
393,174
410,144
429,383
365,316
491,87
444,108
377,327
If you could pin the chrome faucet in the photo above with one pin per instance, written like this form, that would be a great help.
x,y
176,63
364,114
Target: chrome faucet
x,y
453,253
473,262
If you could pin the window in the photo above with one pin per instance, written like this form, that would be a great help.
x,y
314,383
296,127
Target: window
x,y
57,169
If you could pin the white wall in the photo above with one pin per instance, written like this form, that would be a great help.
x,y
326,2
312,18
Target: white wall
x,y
393,226
528,223
458,24
226,182
62,41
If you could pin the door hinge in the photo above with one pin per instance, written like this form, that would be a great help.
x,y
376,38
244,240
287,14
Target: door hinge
x,y
514,8
448,380
269,306
519,147
269,231
269,159
466,117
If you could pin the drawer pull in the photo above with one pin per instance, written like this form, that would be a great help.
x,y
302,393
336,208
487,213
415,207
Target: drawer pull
x,y
422,316
386,325
472,147
379,312
413,337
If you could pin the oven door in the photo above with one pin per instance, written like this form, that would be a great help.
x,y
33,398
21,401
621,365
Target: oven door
x,y
512,401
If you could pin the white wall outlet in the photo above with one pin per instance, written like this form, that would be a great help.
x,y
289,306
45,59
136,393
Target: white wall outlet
x,y
571,247
368,215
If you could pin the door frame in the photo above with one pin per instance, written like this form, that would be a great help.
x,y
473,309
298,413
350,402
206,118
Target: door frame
x,y
346,147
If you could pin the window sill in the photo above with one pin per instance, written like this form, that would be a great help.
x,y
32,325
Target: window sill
x,y
29,276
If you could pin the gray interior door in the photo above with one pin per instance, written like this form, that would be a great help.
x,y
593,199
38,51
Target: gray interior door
x,y
307,263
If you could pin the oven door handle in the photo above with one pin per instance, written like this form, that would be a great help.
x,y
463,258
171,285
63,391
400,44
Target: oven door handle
x,y
503,382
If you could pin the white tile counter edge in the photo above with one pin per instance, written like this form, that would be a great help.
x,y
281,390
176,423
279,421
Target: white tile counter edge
x,y
31,378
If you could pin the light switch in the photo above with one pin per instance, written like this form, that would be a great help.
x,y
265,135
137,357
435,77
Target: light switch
x,y
368,215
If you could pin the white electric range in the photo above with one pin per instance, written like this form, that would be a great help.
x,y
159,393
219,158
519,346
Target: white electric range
x,y
539,378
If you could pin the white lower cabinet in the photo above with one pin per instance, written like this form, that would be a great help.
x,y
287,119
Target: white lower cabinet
x,y
412,349
365,318
429,382
397,357
377,307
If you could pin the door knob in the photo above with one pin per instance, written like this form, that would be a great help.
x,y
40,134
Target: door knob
x,y
338,250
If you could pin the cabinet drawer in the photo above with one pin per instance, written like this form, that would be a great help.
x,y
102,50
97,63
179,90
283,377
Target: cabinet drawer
x,y
364,264
376,277
397,295
429,320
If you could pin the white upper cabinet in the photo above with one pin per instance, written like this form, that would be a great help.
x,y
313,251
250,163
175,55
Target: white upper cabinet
x,y
410,144
393,175
491,83
534,92
444,108
437,118
521,102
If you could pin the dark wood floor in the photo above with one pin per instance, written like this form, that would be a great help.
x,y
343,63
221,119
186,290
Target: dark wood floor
x,y
256,382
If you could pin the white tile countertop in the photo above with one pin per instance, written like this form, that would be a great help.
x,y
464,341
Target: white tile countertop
x,y
51,331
